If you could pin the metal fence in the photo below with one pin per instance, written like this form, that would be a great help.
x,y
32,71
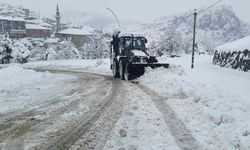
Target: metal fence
x,y
237,59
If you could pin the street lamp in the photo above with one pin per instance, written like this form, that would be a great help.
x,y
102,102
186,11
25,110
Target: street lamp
x,y
117,20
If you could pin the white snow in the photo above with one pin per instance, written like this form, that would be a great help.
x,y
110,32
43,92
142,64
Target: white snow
x,y
143,124
73,31
101,66
130,34
238,45
21,88
36,27
11,18
139,53
212,101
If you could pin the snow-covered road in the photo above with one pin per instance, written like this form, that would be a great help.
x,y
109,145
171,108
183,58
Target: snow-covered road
x,y
213,102
64,107
40,110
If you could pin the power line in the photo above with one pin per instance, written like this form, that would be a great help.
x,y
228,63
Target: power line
x,y
211,6
202,10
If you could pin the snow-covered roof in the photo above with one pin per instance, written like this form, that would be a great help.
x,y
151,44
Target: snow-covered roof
x,y
11,18
238,45
130,34
37,27
74,31
40,22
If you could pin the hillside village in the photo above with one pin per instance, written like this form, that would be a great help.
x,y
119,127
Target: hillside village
x,y
46,38
31,27
66,80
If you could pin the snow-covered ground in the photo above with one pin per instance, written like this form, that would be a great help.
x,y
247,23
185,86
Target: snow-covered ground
x,y
22,89
96,66
141,126
238,45
212,101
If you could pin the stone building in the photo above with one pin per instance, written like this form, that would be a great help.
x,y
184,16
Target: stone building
x,y
15,27
77,36
36,31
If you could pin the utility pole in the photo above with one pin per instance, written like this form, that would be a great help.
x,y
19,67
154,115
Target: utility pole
x,y
194,34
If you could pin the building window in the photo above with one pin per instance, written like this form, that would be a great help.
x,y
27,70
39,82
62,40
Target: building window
x,y
21,25
12,25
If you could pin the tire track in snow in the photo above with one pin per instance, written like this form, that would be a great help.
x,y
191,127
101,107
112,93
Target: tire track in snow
x,y
17,125
26,120
183,136
72,135
97,135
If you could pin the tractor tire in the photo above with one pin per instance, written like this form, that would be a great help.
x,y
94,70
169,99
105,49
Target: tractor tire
x,y
122,69
115,69
127,75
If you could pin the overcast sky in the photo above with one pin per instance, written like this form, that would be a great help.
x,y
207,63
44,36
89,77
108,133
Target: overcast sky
x,y
142,10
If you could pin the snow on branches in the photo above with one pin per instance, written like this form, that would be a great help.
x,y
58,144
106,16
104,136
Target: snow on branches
x,y
13,51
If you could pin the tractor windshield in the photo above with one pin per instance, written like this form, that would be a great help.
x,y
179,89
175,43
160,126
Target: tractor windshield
x,y
135,43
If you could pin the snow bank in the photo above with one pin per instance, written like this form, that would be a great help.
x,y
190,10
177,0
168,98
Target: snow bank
x,y
212,101
21,88
17,77
238,45
14,76
95,65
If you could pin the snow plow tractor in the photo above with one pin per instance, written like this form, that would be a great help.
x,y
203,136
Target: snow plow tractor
x,y
129,57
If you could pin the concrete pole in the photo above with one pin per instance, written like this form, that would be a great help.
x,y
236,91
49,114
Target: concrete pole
x,y
195,16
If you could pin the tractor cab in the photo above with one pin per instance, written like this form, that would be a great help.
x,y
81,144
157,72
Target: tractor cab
x,y
133,42
126,43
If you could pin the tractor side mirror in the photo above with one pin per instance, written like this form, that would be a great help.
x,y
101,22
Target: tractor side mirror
x,y
146,41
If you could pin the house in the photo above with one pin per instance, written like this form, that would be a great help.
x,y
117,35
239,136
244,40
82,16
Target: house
x,y
36,31
15,27
78,36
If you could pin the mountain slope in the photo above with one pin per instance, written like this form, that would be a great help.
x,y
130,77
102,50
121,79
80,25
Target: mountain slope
x,y
12,11
214,27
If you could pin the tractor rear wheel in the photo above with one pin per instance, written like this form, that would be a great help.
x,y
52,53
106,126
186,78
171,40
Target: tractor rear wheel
x,y
122,69
127,74
115,69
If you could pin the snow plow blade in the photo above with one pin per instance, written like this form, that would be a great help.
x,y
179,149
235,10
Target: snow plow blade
x,y
156,65
137,70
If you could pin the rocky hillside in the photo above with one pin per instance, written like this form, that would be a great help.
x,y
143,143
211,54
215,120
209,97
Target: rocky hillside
x,y
214,27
